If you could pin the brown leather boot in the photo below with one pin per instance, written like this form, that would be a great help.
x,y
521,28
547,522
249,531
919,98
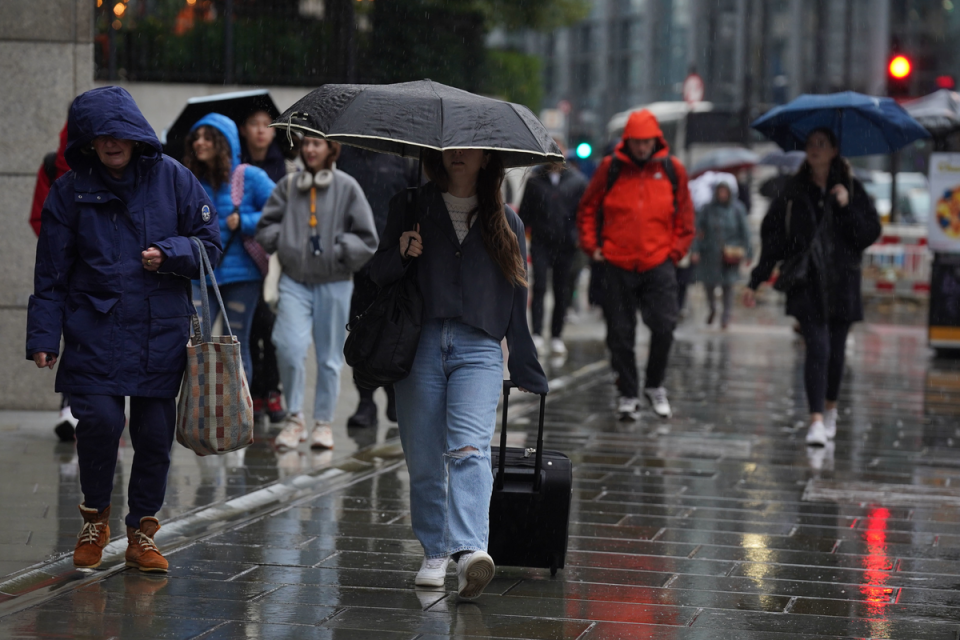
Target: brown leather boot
x,y
142,553
93,537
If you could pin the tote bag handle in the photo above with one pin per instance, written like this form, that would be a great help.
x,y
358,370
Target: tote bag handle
x,y
206,269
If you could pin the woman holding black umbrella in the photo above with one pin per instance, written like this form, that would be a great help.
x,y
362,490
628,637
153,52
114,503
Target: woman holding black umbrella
x,y
471,271
825,212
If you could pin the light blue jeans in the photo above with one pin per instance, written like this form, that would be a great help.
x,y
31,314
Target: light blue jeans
x,y
240,299
323,310
447,404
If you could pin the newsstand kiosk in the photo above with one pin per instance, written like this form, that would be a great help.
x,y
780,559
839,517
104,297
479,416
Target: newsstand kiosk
x,y
943,238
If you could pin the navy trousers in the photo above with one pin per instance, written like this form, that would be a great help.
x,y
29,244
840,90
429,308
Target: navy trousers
x,y
99,427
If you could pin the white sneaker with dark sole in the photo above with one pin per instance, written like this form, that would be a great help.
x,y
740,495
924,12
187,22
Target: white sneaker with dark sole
x,y
830,423
657,396
433,572
628,409
474,572
817,435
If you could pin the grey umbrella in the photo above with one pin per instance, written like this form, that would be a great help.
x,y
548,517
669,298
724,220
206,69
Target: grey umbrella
x,y
401,119
725,159
938,112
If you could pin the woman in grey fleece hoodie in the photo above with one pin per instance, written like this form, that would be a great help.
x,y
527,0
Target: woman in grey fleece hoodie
x,y
320,226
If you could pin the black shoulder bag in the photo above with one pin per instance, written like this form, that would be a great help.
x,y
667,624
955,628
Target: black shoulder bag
x,y
795,270
383,339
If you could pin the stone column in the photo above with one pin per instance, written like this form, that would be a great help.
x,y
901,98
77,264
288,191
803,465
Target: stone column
x,y
46,59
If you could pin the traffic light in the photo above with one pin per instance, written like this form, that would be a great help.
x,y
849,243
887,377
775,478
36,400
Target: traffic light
x,y
584,150
899,72
945,82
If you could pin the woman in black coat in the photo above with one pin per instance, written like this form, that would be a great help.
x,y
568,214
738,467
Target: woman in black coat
x,y
823,193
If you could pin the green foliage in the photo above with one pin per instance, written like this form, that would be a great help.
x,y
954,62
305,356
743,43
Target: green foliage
x,y
515,77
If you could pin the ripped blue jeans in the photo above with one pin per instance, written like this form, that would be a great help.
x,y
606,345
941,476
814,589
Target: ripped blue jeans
x,y
447,409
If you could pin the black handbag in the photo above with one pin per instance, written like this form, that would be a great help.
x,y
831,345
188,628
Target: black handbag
x,y
383,339
795,270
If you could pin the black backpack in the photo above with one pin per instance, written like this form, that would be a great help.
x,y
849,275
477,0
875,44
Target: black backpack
x,y
384,338
613,172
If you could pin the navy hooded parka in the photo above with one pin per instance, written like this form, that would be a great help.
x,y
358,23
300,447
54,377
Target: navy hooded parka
x,y
125,329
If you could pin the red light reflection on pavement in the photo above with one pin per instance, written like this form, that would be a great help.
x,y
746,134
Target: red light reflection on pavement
x,y
877,563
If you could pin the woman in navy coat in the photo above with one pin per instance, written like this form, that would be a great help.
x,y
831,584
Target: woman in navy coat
x,y
113,269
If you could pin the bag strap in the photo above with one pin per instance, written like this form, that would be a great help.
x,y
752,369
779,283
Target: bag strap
x,y
538,460
50,166
206,269
236,197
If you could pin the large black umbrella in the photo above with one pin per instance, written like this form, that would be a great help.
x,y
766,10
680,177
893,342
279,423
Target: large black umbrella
x,y
237,105
401,119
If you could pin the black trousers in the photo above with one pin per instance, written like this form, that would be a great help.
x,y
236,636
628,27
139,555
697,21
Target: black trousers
x,y
100,422
823,368
684,276
654,292
559,261
266,376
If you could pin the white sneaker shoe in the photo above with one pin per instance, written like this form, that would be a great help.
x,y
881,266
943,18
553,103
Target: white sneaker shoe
x,y
817,434
830,423
557,347
628,409
474,572
433,572
658,401
322,436
293,433
539,343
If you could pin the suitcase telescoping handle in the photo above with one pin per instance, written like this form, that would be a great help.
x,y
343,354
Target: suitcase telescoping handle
x,y
507,385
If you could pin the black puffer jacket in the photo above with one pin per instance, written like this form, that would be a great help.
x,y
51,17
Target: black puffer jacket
x,y
833,290
551,211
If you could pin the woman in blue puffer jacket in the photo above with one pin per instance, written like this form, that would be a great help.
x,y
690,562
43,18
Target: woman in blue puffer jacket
x,y
213,153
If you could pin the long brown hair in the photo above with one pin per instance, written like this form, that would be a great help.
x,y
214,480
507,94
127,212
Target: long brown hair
x,y
219,173
498,238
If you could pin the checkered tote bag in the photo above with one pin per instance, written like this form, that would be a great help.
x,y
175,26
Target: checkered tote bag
x,y
215,411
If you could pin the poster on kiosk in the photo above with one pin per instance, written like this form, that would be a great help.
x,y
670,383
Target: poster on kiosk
x,y
943,238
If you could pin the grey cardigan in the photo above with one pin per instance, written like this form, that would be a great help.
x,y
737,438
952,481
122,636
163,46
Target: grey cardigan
x,y
462,281
348,235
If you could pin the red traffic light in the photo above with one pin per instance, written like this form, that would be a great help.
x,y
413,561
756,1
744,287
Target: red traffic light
x,y
899,67
946,82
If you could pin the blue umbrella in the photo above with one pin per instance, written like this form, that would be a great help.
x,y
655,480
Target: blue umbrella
x,y
864,125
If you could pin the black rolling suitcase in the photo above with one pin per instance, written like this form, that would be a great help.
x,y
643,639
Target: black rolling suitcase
x,y
530,505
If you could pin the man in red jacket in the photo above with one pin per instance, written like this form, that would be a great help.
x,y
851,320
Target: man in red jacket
x,y
637,218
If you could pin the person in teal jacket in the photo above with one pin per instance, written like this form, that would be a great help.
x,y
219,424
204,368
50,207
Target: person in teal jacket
x,y
213,154
721,224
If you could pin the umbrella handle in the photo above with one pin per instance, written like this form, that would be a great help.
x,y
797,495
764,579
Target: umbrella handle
x,y
290,123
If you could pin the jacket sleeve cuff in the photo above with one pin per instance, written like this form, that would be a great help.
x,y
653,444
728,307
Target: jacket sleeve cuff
x,y
180,258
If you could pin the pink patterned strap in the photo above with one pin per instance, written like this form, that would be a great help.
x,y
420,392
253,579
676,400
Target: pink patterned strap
x,y
236,186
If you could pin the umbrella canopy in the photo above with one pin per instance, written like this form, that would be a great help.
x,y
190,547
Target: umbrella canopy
x,y
865,125
237,106
401,119
725,159
703,187
938,112
785,161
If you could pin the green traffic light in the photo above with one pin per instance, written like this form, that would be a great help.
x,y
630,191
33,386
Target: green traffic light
x,y
584,150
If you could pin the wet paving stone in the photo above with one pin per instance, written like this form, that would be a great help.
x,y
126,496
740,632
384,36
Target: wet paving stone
x,y
688,529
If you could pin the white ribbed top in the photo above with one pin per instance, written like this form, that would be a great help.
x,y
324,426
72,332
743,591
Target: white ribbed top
x,y
459,209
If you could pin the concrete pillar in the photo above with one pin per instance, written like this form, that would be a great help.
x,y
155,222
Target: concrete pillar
x,y
46,59
795,75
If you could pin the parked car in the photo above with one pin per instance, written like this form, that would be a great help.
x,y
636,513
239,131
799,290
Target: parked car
x,y
913,195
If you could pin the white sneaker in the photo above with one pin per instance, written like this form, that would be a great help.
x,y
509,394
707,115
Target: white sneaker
x,y
830,423
322,436
433,572
628,409
539,343
557,347
817,434
293,433
658,401
474,572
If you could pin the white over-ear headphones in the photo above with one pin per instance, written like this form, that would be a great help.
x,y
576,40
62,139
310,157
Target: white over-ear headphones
x,y
321,180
